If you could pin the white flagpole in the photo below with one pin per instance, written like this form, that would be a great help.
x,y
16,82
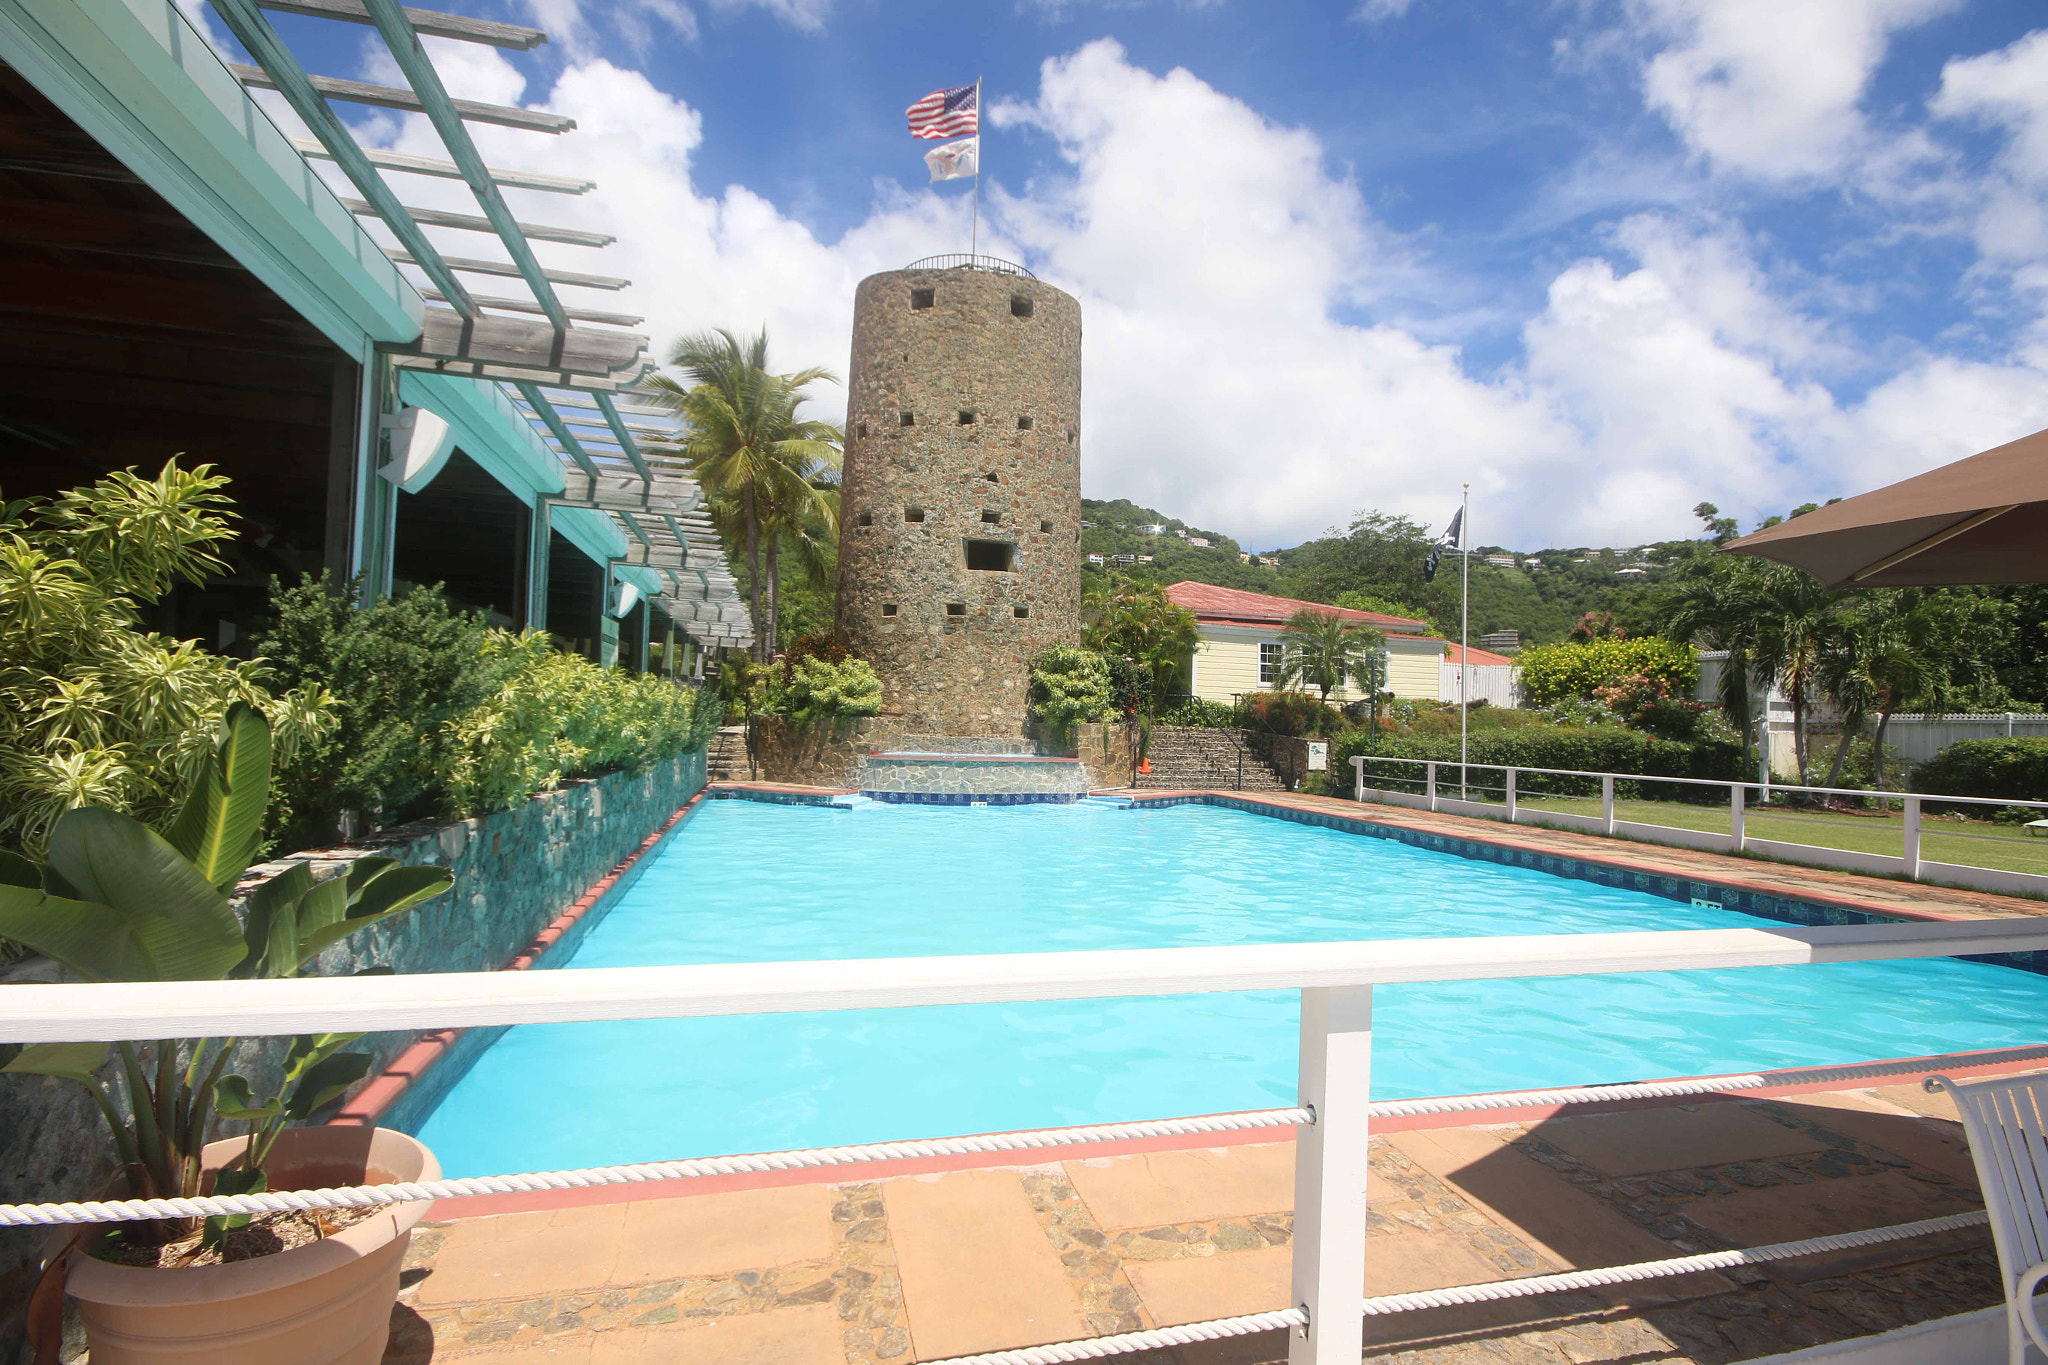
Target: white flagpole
x,y
974,232
1464,635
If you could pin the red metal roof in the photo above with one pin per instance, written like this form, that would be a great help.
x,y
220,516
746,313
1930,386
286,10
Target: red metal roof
x,y
1211,603
1476,657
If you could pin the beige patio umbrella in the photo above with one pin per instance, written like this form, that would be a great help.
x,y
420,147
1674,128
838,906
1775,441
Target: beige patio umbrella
x,y
1980,520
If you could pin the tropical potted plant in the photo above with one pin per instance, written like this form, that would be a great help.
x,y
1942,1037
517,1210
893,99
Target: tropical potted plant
x,y
117,901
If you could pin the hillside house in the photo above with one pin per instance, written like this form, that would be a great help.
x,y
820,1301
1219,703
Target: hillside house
x,y
1240,650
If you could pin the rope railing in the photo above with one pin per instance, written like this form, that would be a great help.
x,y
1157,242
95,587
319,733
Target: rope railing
x,y
1038,1139
1095,1348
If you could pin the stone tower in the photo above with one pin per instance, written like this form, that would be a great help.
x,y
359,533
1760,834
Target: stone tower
x,y
960,515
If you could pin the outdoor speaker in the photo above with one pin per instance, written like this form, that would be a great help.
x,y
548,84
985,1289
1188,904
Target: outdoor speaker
x,y
420,443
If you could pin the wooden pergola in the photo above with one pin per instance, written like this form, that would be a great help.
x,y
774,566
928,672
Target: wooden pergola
x,y
571,373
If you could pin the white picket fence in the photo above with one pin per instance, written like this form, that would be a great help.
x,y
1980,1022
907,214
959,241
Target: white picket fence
x,y
1493,684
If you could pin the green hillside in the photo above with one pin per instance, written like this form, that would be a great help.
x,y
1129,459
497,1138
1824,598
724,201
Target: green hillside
x,y
1377,564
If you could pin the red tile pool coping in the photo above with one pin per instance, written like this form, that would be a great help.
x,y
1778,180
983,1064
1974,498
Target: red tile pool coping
x,y
405,1070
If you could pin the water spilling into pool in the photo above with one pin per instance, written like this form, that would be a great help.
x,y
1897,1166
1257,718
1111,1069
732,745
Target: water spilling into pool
x,y
742,881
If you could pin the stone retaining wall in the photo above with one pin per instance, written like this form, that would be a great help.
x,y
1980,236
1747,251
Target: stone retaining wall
x,y
825,754
884,774
515,871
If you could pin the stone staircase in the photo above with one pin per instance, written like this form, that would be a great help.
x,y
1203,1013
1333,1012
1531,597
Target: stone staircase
x,y
725,760
1193,757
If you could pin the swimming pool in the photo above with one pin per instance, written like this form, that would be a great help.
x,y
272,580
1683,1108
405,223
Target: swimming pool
x,y
745,881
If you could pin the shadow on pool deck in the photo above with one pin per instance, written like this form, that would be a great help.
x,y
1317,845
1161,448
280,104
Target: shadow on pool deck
x,y
928,1266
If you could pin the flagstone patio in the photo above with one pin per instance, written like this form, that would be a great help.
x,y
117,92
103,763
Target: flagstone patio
x,y
922,1267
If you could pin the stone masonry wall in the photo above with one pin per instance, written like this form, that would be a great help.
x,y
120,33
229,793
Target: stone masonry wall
x,y
515,871
963,425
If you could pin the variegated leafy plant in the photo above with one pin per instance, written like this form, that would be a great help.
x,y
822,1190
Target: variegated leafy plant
x,y
116,901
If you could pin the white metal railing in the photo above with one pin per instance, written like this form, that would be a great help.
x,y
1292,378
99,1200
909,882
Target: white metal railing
x,y
1513,809
1335,980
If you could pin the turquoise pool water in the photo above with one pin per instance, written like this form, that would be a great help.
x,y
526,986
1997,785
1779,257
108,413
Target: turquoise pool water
x,y
749,882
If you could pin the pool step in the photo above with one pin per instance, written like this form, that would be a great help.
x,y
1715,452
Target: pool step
x,y
1112,802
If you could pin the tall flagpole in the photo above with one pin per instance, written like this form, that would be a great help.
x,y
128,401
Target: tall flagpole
x,y
974,232
1464,635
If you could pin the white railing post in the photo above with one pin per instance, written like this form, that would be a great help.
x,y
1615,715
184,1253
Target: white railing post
x,y
1511,795
1330,1165
1358,777
1912,848
1737,839
1429,785
1607,802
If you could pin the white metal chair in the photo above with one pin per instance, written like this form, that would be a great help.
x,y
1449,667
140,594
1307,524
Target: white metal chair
x,y
2006,1122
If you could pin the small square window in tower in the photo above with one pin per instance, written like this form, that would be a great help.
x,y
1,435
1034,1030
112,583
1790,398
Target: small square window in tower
x,y
921,298
861,430
1045,526
1023,424
888,608
1020,306
865,519
991,556
1020,611
904,419
993,477
956,608
913,514
991,518
966,417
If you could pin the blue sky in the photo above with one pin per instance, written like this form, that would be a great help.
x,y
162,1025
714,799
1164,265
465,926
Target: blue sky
x,y
1603,260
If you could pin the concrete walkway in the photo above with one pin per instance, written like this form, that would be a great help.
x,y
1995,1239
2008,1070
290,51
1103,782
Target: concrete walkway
x,y
922,1267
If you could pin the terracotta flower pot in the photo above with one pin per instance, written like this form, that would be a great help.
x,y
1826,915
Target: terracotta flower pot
x,y
325,1303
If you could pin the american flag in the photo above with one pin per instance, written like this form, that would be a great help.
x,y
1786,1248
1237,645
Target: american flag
x,y
946,113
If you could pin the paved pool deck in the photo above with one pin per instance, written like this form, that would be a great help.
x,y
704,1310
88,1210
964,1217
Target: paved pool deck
x,y
923,1267
913,1263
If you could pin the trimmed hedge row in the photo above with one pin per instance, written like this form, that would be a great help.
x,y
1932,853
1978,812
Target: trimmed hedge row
x,y
1555,673
2010,769
1603,748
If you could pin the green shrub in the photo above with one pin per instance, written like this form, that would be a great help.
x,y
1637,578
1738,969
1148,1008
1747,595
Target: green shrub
x,y
2011,769
1609,749
93,710
1070,686
558,715
820,689
1554,673
400,670
1288,713
1200,713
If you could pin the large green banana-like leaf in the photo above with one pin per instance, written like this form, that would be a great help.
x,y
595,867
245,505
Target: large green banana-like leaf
x,y
73,1061
222,818
91,939
16,870
363,871
323,1080
181,926
391,893
321,908
271,914
232,1099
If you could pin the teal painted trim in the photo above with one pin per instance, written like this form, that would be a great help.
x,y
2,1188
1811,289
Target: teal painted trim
x,y
592,532
143,84
489,429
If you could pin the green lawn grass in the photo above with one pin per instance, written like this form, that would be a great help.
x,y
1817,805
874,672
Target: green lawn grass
x,y
1943,838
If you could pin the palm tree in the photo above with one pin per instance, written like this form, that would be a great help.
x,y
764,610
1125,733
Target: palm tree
x,y
1796,616
1891,648
744,442
1719,601
1135,620
1320,650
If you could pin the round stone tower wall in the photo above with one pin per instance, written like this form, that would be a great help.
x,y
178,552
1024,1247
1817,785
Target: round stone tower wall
x,y
960,512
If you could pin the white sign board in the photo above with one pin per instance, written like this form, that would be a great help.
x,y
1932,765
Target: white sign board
x,y
1318,756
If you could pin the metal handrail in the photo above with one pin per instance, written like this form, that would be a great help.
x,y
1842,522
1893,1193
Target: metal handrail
x,y
960,260
1908,862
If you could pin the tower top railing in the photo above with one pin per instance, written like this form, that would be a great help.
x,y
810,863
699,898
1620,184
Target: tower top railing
x,y
960,260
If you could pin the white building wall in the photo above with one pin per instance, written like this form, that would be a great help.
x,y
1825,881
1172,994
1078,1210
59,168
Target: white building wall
x,y
1228,663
